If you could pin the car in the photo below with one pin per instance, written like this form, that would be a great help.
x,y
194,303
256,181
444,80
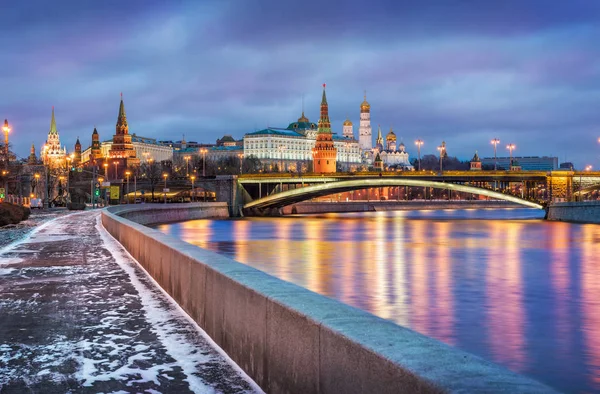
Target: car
x,y
36,203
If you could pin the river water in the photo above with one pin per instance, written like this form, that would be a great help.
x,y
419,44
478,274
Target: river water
x,y
502,284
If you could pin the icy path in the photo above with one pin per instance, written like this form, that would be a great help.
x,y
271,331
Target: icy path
x,y
77,314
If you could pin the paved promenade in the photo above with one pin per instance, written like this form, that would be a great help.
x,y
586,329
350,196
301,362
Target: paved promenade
x,y
77,314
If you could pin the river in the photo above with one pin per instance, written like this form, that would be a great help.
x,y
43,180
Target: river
x,y
502,284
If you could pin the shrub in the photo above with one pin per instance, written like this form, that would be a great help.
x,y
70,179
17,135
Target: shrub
x,y
12,214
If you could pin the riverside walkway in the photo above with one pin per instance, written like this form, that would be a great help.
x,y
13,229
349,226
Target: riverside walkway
x,y
77,314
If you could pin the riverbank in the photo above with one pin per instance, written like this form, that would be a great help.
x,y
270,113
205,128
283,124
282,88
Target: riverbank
x,y
575,212
14,232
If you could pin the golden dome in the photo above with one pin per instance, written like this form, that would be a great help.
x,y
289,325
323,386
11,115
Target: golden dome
x,y
347,122
365,104
391,136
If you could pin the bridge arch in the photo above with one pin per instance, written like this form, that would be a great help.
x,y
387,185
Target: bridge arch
x,y
289,197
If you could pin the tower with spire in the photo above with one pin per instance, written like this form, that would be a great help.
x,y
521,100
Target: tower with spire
x,y
32,160
324,152
77,154
96,150
122,147
379,141
365,134
52,154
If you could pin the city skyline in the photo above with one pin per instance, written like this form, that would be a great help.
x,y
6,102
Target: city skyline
x,y
463,74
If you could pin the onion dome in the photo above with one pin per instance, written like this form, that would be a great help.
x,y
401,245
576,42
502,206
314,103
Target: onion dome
x,y
347,122
390,136
365,106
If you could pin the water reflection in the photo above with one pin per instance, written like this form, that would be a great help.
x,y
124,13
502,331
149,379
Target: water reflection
x,y
502,284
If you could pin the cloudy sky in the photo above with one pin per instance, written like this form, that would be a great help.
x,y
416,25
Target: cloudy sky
x,y
463,71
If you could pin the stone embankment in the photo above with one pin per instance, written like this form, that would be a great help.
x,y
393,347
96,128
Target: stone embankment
x,y
575,212
371,206
291,340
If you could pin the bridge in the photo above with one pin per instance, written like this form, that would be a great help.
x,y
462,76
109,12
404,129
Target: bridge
x,y
265,192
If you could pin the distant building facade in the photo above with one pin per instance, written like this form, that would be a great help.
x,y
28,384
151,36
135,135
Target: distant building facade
x,y
527,163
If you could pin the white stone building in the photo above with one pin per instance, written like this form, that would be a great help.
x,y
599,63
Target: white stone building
x,y
294,144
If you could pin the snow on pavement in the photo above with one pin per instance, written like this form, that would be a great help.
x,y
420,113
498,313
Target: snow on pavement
x,y
78,314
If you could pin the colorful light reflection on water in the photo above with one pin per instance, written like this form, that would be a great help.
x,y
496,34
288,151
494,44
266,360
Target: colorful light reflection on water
x,y
501,284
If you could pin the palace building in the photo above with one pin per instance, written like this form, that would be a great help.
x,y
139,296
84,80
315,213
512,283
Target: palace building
x,y
292,146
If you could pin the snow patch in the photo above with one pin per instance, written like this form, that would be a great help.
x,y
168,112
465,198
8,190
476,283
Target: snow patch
x,y
163,320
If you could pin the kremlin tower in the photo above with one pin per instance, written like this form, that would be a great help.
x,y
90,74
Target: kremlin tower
x,y
122,148
365,138
52,154
324,153
96,151
77,154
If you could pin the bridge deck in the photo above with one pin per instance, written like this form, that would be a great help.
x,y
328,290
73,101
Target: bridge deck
x,y
79,315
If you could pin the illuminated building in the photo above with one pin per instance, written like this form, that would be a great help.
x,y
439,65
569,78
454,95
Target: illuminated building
x,y
324,152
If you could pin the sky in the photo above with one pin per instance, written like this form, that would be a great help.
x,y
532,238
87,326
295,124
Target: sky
x,y
460,71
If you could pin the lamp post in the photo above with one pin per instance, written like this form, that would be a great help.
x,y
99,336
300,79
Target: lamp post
x,y
510,148
419,143
241,156
442,149
127,173
193,178
105,170
187,165
203,151
37,181
116,163
495,142
6,130
165,175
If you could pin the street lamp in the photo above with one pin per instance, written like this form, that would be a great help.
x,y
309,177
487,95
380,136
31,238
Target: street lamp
x,y
442,149
193,178
6,130
510,148
116,163
37,180
241,156
495,142
187,165
127,173
105,170
203,151
419,143
165,175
